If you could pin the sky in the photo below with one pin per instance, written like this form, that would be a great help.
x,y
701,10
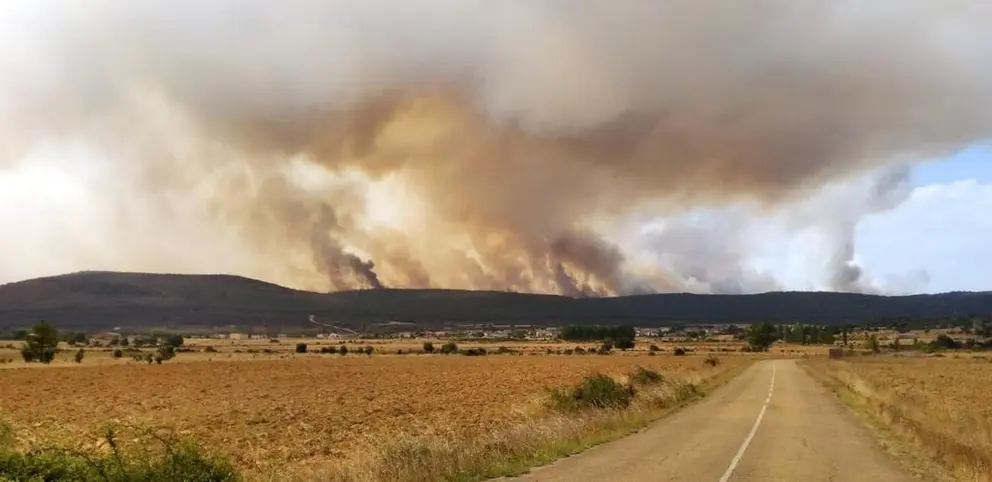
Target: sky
x,y
944,228
936,240
526,145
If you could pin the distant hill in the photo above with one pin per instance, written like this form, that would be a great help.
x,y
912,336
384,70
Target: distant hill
x,y
101,300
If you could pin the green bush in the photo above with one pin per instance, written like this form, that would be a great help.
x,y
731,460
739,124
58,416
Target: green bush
x,y
164,353
164,460
428,347
41,343
449,348
644,376
624,343
594,391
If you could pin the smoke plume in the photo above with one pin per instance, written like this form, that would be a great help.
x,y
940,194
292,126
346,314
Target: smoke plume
x,y
416,143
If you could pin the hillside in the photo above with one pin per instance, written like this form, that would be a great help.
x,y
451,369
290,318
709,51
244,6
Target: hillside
x,y
100,300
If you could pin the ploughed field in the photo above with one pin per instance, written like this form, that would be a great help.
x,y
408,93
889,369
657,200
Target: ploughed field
x,y
268,412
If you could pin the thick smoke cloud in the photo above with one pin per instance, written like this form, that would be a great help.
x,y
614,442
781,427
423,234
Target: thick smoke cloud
x,y
507,130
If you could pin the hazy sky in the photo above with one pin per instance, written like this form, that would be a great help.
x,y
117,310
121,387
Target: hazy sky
x,y
524,145
944,228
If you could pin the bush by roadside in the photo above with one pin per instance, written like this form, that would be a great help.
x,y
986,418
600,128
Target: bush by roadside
x,y
156,459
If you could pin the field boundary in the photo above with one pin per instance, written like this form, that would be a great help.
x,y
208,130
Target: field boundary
x,y
896,441
509,452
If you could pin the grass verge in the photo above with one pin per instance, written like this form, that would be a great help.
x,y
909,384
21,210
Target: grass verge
x,y
152,458
913,435
597,410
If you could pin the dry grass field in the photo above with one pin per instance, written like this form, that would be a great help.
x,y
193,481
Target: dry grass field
x,y
942,405
305,409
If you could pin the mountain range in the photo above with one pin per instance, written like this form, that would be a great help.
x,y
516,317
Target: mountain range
x,y
102,300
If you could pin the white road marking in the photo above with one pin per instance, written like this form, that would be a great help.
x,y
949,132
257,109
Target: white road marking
x,y
754,430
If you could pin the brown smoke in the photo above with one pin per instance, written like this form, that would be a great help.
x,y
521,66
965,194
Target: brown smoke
x,y
515,128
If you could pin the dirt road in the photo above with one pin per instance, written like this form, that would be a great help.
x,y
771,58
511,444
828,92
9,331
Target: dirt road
x,y
772,423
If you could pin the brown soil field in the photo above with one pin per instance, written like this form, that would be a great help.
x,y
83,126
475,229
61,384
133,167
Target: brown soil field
x,y
940,404
305,408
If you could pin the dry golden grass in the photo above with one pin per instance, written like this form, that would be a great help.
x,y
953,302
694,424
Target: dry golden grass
x,y
941,405
306,409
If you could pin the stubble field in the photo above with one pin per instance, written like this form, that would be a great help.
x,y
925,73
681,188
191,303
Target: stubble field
x,y
940,404
267,413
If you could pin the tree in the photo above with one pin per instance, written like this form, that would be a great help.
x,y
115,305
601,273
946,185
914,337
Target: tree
x,y
760,336
596,332
76,338
301,348
827,336
167,352
174,340
343,350
41,344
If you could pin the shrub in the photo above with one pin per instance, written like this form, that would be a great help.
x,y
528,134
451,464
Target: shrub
x,y
594,391
644,376
679,351
118,353
944,341
568,351
653,348
503,350
579,350
428,347
711,361
273,340
343,350
174,340
478,351
328,349
175,460
210,349
79,355
368,350
449,348
606,348
624,343
301,348
400,352
651,353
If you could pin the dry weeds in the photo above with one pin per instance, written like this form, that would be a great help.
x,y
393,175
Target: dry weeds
x,y
938,404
